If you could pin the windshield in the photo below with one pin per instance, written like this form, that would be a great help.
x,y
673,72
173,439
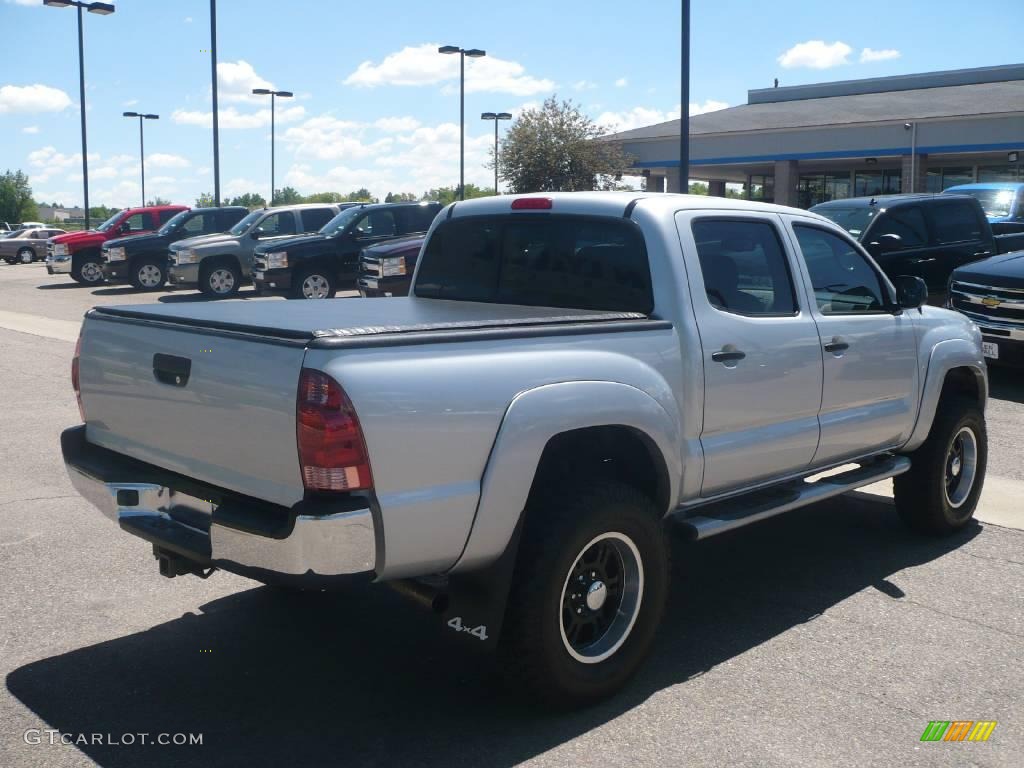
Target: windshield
x,y
243,226
339,222
997,203
853,220
15,233
109,222
173,222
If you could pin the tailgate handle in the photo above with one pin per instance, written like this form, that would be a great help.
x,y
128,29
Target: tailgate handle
x,y
169,369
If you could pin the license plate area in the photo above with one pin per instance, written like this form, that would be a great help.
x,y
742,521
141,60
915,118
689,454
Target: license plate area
x,y
990,349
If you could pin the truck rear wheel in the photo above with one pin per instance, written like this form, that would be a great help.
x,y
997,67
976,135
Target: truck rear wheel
x,y
588,592
149,273
87,270
940,492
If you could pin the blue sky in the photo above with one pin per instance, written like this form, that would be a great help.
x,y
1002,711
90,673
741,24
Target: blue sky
x,y
376,106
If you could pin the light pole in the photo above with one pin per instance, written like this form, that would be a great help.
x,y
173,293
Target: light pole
x,y
473,53
912,127
142,147
272,94
216,119
684,103
103,9
496,117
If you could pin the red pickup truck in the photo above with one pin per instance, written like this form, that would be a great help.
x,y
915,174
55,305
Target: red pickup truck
x,y
78,253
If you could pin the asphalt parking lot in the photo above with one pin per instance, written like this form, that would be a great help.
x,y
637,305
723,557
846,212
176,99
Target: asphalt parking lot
x,y
829,636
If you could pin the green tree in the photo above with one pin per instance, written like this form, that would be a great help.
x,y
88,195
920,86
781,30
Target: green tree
x,y
361,195
287,196
698,188
159,201
325,197
400,197
205,200
101,213
16,202
249,200
447,195
557,147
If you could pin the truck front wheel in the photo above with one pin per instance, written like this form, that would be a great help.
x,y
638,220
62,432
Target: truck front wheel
x,y
149,273
939,493
314,283
87,269
220,280
588,592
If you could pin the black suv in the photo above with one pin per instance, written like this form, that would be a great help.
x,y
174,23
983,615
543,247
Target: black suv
x,y
317,266
142,259
927,236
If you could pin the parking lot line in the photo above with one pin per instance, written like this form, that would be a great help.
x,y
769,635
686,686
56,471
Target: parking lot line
x,y
37,325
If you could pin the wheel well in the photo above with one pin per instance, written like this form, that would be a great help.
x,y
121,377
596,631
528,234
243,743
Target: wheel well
x,y
77,256
219,260
962,381
614,452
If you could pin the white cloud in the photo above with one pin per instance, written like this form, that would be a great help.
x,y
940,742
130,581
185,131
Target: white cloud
x,y
188,19
397,124
621,82
240,186
423,65
24,2
129,103
30,129
639,117
869,55
236,79
32,98
161,160
328,138
816,54
584,85
232,118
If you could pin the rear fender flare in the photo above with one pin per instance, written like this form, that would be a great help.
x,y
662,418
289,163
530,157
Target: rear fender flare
x,y
531,421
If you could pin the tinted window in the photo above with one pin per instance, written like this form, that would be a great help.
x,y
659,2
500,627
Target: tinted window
x,y
199,224
545,261
854,219
165,216
906,223
744,267
138,222
314,218
379,223
415,218
844,282
281,223
955,221
227,219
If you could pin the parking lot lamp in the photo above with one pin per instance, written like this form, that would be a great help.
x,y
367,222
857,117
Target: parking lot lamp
x,y
272,94
102,9
496,117
142,147
473,53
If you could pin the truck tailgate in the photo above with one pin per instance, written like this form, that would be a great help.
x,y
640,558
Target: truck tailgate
x,y
216,407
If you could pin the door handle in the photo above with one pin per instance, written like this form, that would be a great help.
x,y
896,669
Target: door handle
x,y
982,253
727,356
922,261
836,345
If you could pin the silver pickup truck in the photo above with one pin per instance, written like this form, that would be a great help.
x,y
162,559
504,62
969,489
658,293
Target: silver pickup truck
x,y
572,376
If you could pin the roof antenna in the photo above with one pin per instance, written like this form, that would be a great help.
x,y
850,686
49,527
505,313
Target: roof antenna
x,y
776,82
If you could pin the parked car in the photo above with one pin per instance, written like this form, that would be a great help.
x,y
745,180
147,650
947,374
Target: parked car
x,y
32,225
26,245
1002,202
316,267
142,259
219,264
571,372
79,253
991,293
386,269
4,227
923,235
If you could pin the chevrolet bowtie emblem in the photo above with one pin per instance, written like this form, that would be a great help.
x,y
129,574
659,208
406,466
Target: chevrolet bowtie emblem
x,y
991,302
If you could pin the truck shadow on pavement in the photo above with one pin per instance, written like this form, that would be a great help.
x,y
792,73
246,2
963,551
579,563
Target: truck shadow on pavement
x,y
1006,384
362,677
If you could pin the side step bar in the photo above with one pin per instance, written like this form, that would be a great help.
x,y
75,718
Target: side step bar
x,y
720,516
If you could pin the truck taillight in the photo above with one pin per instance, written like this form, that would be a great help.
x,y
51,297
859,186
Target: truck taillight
x,y
75,382
332,452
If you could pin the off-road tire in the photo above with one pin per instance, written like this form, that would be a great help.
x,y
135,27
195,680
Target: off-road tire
x,y
924,500
559,526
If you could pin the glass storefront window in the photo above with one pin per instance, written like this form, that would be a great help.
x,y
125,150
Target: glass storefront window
x,y
761,187
944,178
822,187
999,173
884,182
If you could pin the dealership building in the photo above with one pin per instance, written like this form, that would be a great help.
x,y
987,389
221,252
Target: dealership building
x,y
805,144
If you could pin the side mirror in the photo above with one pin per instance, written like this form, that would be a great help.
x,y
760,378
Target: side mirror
x,y
256,234
911,292
125,227
885,244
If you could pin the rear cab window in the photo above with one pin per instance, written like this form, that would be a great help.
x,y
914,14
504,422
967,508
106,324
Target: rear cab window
x,y
569,261
955,221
